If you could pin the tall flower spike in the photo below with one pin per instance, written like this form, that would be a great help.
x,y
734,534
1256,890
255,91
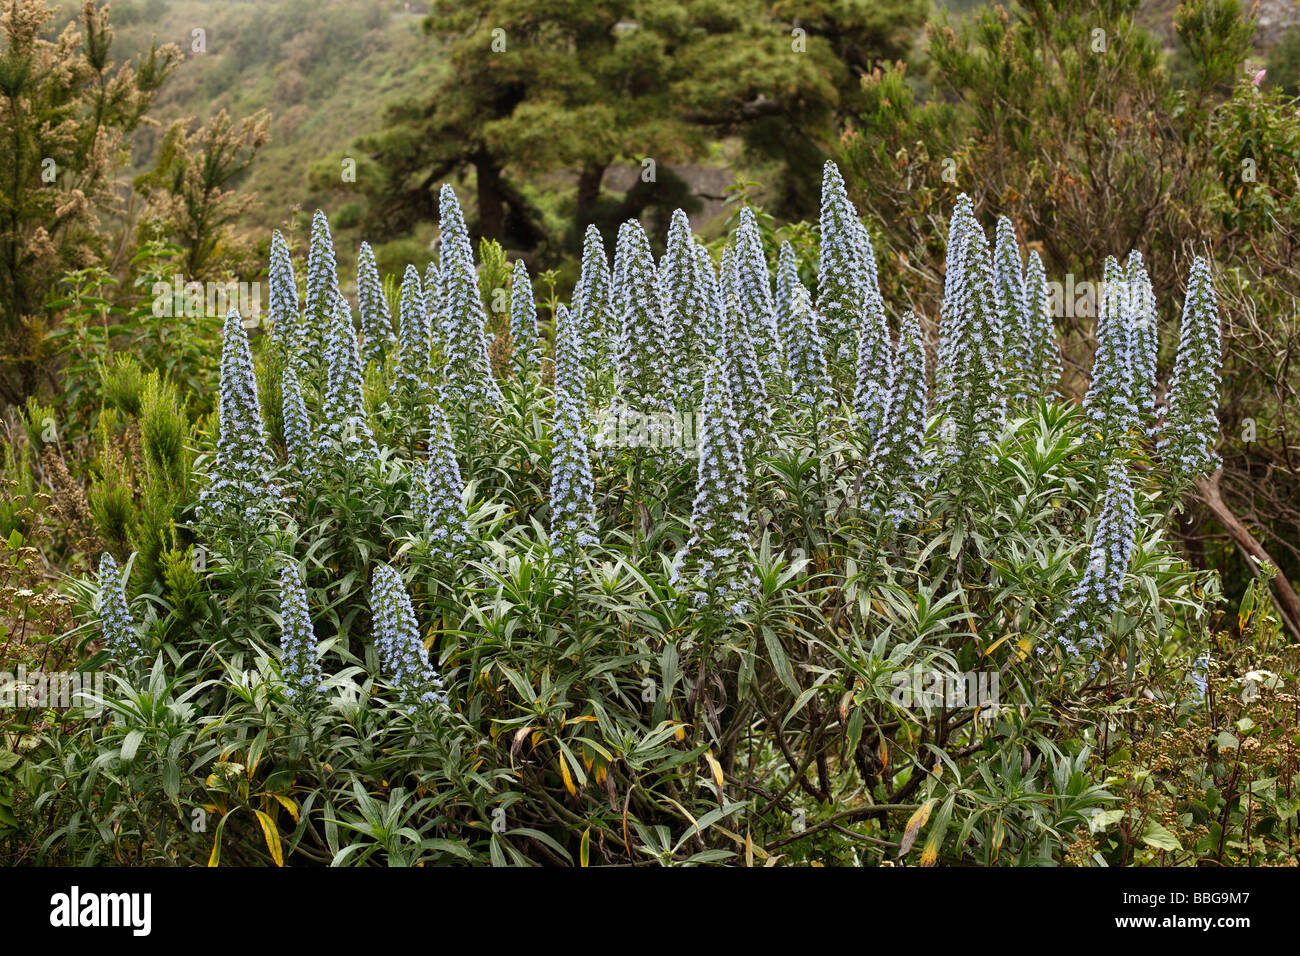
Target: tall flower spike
x,y
344,408
433,307
719,547
402,655
1190,429
1108,403
618,279
299,664
523,319
282,299
468,386
1045,355
240,490
754,293
682,293
787,274
439,493
322,282
573,511
1013,310
806,352
643,328
1146,338
745,382
592,305
413,325
298,437
120,635
1095,600
841,270
376,322
899,463
970,395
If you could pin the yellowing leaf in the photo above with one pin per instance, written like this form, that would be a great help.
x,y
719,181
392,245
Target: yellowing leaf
x,y
272,837
289,804
568,778
584,849
914,824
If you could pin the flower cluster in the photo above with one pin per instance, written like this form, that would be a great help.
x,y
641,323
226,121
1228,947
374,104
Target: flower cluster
x,y
573,513
591,304
299,663
1044,353
1109,402
1146,338
438,493
523,319
467,384
732,342
1190,429
899,463
345,422
413,330
402,655
1097,596
1011,299
810,382
643,360
240,489
682,292
376,322
322,280
298,438
754,293
120,635
282,299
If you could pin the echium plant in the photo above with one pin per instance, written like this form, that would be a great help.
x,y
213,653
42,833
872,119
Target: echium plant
x,y
299,441
573,511
343,411
322,283
899,464
282,300
1044,352
644,378
1012,300
1108,404
523,319
402,654
745,383
433,307
681,288
1146,338
299,655
754,294
719,549
467,386
240,489
841,269
376,322
1087,619
618,283
875,354
591,303
787,274
438,493
413,331
810,382
121,638
1190,429
969,390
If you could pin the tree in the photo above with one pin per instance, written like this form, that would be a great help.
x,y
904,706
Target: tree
x,y
65,112
535,87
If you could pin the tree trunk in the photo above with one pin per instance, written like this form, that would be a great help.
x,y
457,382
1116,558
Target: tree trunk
x,y
1288,603
491,204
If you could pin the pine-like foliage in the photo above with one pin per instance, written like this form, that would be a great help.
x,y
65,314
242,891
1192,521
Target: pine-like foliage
x,y
345,422
1190,430
754,293
1045,353
376,322
299,662
438,493
573,511
1096,598
402,655
413,330
1146,338
643,328
240,489
298,438
718,551
121,638
523,319
468,386
591,303
970,396
1109,402
810,382
282,299
1012,300
899,463
322,282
